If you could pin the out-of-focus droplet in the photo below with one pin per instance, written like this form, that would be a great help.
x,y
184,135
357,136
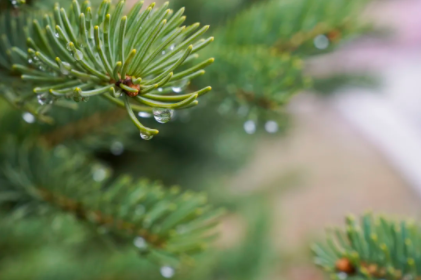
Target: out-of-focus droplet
x,y
321,42
144,115
160,89
61,151
342,275
250,127
14,3
44,99
243,110
140,243
28,117
76,98
68,47
172,47
167,271
140,210
162,115
271,126
177,89
145,136
99,174
163,52
56,35
117,148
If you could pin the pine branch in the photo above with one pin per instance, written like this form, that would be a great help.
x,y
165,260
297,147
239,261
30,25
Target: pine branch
x,y
134,61
165,224
374,248
260,61
78,129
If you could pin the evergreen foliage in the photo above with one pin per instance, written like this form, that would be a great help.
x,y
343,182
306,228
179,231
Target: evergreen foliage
x,y
60,162
168,222
84,53
261,61
374,248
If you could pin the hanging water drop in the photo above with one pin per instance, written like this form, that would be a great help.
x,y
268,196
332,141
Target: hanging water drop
x,y
271,126
243,110
56,35
177,89
144,115
160,89
99,174
76,98
250,127
163,52
140,243
140,210
68,47
162,115
117,148
64,68
30,61
44,99
28,117
321,42
145,136
167,271
172,47
342,275
78,55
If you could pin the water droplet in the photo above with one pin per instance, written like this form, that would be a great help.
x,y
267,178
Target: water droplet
x,y
28,117
167,271
181,229
271,127
117,148
76,98
144,115
321,42
342,275
65,68
163,52
140,243
145,136
68,47
78,55
160,89
172,47
177,89
250,127
140,210
44,99
56,35
30,61
162,115
99,174
61,151
243,110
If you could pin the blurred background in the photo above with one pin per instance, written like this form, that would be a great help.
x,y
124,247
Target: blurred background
x,y
350,143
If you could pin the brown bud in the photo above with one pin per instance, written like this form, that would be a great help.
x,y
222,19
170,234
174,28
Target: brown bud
x,y
344,265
